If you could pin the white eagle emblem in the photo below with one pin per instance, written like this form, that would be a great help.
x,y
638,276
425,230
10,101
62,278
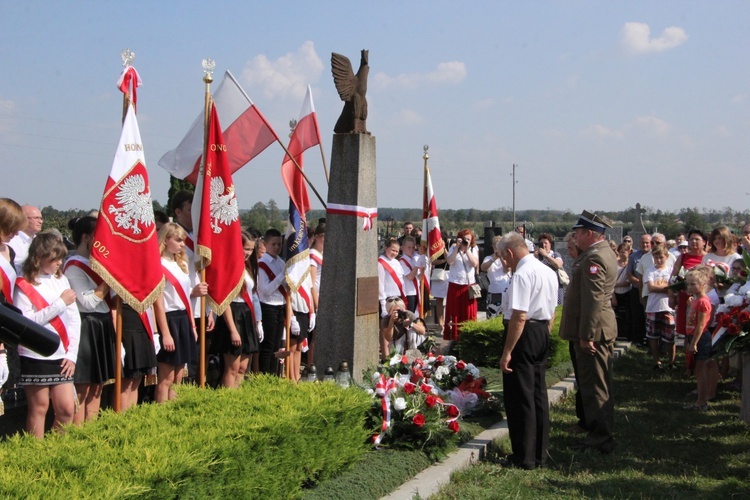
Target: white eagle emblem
x,y
135,207
223,205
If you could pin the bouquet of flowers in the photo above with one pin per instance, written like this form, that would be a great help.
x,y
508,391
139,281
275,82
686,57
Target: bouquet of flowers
x,y
677,282
733,324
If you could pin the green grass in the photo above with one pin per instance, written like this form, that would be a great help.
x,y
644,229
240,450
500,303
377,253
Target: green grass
x,y
663,451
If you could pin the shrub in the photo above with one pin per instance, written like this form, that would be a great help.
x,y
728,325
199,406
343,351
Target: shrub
x,y
481,342
268,439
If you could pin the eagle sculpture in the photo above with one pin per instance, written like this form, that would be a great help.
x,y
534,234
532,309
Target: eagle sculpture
x,y
352,89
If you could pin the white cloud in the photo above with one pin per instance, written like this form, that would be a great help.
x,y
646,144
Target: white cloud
x,y
410,117
650,126
287,76
653,126
723,131
484,104
739,99
602,131
446,73
635,39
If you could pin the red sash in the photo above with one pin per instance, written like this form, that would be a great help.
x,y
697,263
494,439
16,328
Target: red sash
x,y
415,282
40,303
306,297
272,276
249,301
8,282
394,277
178,288
317,259
94,277
189,243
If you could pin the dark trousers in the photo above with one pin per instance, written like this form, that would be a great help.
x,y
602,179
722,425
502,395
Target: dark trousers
x,y
595,386
273,330
623,312
525,392
637,317
579,401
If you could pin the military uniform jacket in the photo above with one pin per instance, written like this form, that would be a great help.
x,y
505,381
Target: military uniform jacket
x,y
587,311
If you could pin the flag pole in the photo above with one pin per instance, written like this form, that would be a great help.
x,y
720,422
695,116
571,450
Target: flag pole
x,y
284,148
323,157
425,157
208,67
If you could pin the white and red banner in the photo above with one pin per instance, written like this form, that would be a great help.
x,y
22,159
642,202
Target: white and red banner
x,y
247,133
305,135
125,250
430,223
216,223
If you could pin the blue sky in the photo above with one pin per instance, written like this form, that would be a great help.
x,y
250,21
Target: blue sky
x,y
600,104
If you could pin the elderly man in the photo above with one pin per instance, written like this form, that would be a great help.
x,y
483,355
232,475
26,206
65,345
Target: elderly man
x,y
20,243
637,331
589,320
532,297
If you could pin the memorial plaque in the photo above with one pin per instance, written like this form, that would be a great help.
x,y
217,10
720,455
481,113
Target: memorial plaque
x,y
367,295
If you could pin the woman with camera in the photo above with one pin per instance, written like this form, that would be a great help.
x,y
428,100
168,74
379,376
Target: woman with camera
x,y
404,328
463,257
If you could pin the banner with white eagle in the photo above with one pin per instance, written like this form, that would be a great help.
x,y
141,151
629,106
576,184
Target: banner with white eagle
x,y
216,222
125,250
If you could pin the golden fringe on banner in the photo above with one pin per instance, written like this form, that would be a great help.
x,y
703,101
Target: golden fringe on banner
x,y
123,293
220,308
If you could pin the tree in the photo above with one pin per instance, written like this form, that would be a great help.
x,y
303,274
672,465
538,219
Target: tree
x,y
175,186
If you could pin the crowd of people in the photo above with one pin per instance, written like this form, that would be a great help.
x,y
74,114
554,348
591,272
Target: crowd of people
x,y
53,285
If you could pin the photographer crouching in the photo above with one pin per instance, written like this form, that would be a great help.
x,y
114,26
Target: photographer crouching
x,y
403,328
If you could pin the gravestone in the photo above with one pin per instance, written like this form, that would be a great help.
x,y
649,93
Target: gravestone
x,y
348,312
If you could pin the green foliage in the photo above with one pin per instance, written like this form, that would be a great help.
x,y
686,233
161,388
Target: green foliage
x,y
481,342
268,439
375,474
175,186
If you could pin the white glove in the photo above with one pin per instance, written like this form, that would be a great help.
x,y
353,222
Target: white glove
x,y
157,343
4,372
294,327
122,354
259,329
312,322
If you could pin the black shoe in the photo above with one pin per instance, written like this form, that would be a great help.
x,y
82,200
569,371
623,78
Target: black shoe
x,y
507,463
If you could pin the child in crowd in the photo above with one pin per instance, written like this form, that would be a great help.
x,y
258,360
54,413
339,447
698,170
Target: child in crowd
x,y
316,273
44,296
95,365
273,291
239,330
660,321
699,336
411,272
176,328
390,284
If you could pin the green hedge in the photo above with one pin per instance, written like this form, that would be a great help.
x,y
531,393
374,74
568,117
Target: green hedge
x,y
481,342
269,439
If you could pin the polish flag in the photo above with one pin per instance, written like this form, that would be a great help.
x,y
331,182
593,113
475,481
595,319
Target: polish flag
x,y
216,218
246,136
306,135
430,222
125,250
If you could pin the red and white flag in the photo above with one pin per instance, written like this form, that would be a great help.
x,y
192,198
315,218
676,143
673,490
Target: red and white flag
x,y
430,223
125,251
247,133
216,222
306,134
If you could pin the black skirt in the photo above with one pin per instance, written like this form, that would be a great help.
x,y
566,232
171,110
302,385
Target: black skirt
x,y
42,372
181,329
140,355
243,321
96,350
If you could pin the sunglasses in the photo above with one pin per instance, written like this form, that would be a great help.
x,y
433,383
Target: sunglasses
x,y
392,299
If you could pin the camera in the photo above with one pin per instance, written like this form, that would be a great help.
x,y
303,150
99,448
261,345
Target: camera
x,y
402,314
16,329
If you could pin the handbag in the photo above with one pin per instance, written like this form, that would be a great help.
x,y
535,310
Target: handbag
x,y
562,277
438,274
475,291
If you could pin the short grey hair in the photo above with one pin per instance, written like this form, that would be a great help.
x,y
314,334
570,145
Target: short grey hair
x,y
511,240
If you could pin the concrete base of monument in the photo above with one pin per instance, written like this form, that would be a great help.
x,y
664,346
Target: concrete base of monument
x,y
429,481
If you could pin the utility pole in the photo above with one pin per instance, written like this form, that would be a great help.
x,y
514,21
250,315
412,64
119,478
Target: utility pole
x,y
514,196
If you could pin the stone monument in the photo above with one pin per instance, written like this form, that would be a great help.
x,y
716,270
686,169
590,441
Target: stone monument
x,y
348,317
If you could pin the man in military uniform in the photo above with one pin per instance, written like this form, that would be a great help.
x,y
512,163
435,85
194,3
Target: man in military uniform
x,y
589,321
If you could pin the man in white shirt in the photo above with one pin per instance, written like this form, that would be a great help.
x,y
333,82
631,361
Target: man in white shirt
x,y
532,296
20,243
